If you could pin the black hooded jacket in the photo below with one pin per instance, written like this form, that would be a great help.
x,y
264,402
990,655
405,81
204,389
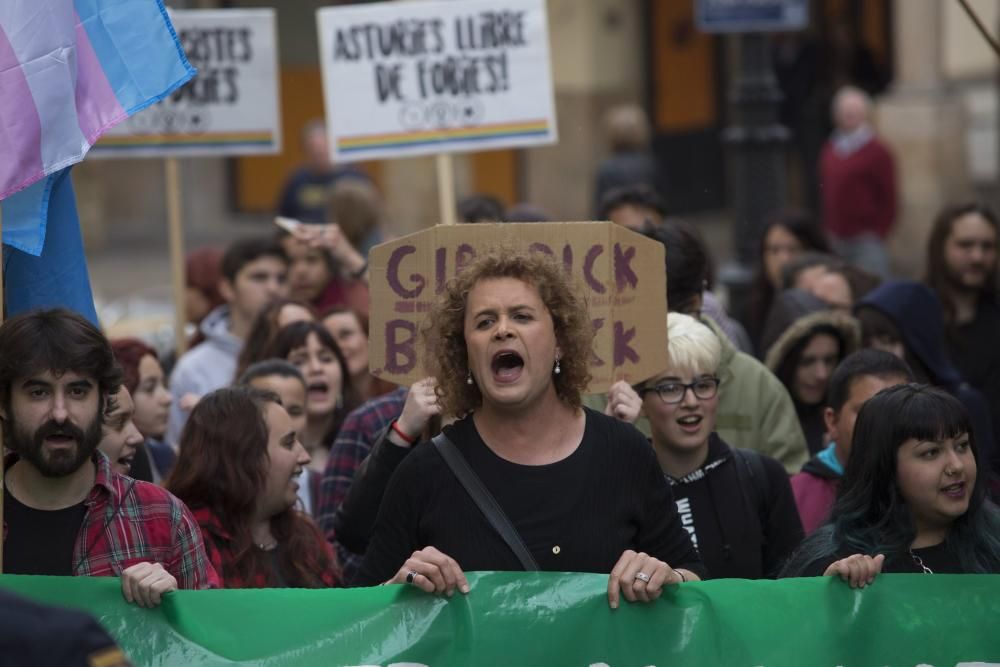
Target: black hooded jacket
x,y
739,511
917,314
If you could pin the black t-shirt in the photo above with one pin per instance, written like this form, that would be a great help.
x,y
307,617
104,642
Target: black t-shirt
x,y
973,348
939,558
40,541
575,515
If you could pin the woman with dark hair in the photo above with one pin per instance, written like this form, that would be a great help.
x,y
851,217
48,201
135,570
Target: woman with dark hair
x,y
350,329
509,342
789,234
269,321
238,469
329,393
144,379
287,382
911,499
805,340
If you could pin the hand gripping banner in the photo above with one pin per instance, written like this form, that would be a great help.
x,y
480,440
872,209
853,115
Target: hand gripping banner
x,y
544,619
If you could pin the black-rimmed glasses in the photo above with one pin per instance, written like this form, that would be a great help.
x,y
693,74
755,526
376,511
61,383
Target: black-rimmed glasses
x,y
673,392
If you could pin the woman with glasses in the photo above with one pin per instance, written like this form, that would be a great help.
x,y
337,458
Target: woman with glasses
x,y
737,504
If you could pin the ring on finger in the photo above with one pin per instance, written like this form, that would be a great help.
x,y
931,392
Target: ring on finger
x,y
410,576
642,576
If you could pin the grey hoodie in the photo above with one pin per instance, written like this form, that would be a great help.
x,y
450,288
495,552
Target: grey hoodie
x,y
204,368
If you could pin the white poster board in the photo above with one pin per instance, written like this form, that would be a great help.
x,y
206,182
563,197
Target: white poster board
x,y
416,78
231,107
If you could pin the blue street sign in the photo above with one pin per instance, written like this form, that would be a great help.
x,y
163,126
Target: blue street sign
x,y
751,15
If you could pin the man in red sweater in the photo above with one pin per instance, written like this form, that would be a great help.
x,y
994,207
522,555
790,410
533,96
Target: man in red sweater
x,y
858,185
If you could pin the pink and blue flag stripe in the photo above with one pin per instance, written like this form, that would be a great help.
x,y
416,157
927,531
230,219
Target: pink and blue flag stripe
x,y
69,71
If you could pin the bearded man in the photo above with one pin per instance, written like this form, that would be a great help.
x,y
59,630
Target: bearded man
x,y
66,512
962,265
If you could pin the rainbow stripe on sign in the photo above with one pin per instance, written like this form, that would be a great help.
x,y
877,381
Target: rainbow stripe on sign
x,y
207,140
533,128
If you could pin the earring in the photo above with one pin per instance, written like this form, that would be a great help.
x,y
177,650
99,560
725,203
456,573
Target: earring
x,y
557,370
468,377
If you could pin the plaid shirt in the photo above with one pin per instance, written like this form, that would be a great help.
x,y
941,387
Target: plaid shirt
x,y
129,522
354,441
218,544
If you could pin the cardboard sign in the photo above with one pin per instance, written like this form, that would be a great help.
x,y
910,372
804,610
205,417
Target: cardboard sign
x,y
620,274
229,108
416,78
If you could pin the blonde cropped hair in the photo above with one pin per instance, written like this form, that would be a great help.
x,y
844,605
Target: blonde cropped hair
x,y
692,346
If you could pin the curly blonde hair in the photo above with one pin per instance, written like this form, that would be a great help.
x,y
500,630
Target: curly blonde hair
x,y
444,331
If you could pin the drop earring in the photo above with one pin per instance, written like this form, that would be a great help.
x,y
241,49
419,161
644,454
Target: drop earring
x,y
557,370
468,377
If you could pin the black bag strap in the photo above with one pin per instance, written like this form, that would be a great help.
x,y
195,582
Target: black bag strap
x,y
484,500
754,467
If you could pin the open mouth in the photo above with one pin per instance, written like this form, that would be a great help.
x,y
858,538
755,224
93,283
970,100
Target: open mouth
x,y
317,390
60,440
507,365
956,490
690,422
126,462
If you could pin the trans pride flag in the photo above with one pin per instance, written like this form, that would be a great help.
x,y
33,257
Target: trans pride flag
x,y
69,70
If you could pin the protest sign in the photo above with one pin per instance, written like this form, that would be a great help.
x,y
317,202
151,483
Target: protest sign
x,y
548,618
416,78
619,273
229,108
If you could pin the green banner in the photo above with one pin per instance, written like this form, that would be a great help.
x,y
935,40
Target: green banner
x,y
554,619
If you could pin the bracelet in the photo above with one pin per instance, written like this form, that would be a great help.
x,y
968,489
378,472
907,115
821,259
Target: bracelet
x,y
408,439
361,271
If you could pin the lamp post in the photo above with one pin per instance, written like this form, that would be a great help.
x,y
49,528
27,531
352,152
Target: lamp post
x,y
755,155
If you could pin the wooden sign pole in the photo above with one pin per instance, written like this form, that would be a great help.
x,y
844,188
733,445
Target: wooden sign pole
x,y
446,188
176,234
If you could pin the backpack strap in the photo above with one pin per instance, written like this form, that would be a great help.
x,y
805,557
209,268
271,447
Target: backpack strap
x,y
750,468
487,504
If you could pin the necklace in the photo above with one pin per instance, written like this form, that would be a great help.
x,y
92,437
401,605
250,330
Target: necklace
x,y
267,546
920,563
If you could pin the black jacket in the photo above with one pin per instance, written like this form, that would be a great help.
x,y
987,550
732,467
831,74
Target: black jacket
x,y
915,310
741,513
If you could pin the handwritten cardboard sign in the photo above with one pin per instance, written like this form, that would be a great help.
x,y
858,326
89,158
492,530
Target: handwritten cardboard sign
x,y
620,274
229,108
415,78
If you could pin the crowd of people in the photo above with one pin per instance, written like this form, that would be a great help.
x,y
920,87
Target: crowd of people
x,y
842,424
